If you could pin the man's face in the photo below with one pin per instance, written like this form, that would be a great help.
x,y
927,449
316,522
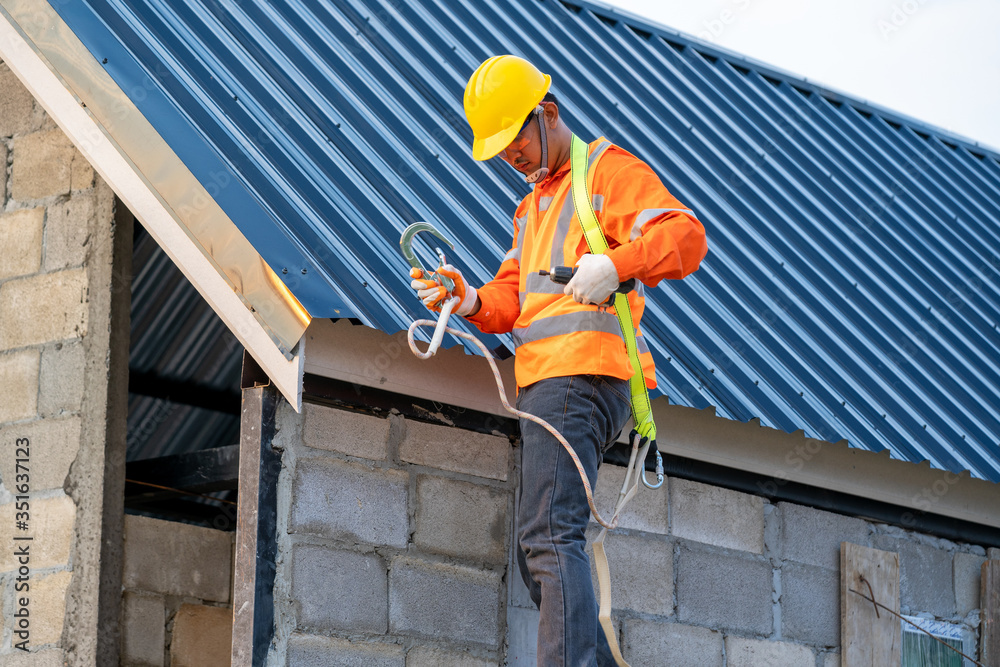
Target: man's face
x,y
524,153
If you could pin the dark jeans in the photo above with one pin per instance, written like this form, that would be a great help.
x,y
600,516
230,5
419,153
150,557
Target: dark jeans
x,y
589,411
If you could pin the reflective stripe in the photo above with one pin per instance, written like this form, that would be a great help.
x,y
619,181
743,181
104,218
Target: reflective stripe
x,y
640,344
584,320
647,215
544,203
536,284
515,253
562,229
601,147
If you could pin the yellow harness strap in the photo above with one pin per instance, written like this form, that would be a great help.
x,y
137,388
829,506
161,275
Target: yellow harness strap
x,y
642,412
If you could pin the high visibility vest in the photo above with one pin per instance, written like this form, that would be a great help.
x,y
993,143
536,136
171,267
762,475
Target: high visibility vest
x,y
554,335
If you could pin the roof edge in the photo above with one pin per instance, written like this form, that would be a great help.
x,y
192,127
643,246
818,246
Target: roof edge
x,y
46,86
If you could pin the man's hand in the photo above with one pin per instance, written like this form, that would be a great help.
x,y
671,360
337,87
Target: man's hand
x,y
433,293
595,279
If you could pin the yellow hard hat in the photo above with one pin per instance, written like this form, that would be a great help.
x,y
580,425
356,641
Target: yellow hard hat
x,y
499,96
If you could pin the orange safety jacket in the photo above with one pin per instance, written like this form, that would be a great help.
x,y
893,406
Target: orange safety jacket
x,y
651,236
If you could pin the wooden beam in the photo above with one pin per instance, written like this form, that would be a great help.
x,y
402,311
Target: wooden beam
x,y
202,471
869,637
256,529
989,627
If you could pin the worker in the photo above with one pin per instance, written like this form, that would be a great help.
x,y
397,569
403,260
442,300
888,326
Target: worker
x,y
571,365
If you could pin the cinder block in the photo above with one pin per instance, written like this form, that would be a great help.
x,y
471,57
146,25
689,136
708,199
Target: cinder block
x,y
448,602
461,519
651,643
744,652
51,521
967,570
67,230
48,606
81,174
16,105
993,553
424,656
455,449
177,559
43,165
349,501
339,590
42,308
202,636
3,171
642,573
21,240
831,660
47,658
647,511
522,636
713,515
18,384
61,379
143,629
810,604
813,536
311,651
346,432
725,591
59,439
925,576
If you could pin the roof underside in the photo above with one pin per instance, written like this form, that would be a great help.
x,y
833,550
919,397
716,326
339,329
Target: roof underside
x,y
852,284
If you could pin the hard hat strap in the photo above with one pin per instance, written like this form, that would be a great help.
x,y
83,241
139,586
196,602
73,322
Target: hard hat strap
x,y
543,170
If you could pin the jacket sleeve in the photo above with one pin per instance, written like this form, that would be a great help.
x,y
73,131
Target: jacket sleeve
x,y
652,235
500,303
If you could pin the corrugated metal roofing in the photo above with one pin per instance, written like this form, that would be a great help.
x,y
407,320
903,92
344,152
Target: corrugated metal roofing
x,y
177,338
852,285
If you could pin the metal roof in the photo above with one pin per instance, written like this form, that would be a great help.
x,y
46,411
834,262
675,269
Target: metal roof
x,y
184,364
852,284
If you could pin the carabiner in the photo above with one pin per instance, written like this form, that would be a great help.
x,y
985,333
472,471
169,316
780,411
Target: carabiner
x,y
405,242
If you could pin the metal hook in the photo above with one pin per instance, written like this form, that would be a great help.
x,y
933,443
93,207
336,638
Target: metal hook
x,y
406,241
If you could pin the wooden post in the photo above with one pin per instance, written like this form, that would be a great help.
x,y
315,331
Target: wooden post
x,y
989,627
869,638
256,525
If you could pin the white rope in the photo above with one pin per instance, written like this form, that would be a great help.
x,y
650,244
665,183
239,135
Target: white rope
x,y
637,458
633,472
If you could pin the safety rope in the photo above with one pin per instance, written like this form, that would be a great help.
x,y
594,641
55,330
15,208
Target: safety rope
x,y
637,457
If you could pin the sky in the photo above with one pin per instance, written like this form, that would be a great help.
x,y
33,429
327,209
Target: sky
x,y
934,60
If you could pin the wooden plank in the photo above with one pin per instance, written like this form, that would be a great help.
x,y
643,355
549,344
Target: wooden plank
x,y
989,627
256,529
869,639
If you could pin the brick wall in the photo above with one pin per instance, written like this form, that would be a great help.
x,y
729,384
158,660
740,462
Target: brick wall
x,y
57,299
393,541
177,597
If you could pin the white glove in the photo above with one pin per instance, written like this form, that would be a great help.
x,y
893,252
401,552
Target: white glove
x,y
595,279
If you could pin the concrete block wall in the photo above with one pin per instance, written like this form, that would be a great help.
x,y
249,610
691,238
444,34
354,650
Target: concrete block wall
x,y
706,576
57,298
393,541
177,598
